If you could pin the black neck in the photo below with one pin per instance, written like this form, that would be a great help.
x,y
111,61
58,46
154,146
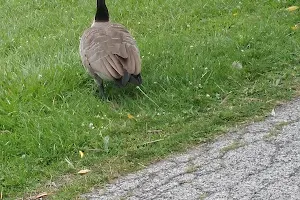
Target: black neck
x,y
102,12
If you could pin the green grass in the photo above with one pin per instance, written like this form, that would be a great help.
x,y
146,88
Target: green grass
x,y
47,100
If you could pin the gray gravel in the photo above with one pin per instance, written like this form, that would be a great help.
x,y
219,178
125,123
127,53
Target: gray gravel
x,y
259,161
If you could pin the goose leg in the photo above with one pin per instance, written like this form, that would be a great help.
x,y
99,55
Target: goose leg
x,y
101,86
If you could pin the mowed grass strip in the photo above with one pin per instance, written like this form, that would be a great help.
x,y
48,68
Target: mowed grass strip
x,y
207,65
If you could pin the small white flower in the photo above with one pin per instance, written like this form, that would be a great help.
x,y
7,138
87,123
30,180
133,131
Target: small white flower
x,y
237,65
91,126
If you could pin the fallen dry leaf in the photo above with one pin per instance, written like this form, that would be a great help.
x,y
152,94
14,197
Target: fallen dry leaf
x,y
84,171
273,113
44,194
297,26
292,8
237,65
81,154
130,116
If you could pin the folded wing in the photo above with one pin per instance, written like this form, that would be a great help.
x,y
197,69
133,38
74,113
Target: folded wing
x,y
110,52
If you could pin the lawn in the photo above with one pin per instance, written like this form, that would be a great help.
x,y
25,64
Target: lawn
x,y
207,66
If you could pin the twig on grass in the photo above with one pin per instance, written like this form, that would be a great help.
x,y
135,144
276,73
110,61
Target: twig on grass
x,y
151,142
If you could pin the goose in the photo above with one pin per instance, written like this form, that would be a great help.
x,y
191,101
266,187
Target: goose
x,y
109,52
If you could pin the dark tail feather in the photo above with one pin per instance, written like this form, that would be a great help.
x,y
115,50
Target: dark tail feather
x,y
122,82
125,78
134,79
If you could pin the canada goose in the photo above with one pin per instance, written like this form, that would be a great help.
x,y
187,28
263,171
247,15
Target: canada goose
x,y
109,52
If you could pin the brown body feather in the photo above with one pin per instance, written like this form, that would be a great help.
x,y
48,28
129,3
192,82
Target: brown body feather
x,y
109,51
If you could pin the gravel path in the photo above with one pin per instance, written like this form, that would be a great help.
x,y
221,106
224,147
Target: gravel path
x,y
259,161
